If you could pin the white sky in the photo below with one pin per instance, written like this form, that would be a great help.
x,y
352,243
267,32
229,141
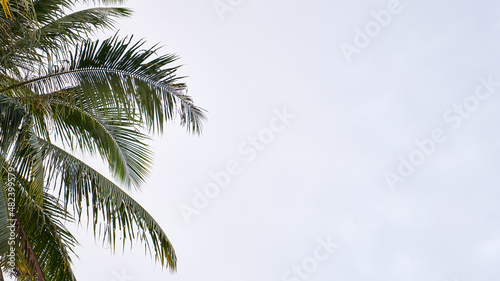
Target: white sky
x,y
322,175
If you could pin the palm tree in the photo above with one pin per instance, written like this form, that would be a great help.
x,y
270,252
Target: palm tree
x,y
99,97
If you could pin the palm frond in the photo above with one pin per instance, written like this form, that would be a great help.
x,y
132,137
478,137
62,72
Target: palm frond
x,y
77,26
84,188
119,70
111,133
19,138
6,9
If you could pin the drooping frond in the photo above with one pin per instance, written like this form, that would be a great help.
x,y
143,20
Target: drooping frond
x,y
84,188
17,136
76,27
111,133
120,71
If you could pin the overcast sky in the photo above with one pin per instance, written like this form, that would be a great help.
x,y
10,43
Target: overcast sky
x,y
346,140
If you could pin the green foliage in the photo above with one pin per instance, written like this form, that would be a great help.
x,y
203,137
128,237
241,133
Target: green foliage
x,y
101,98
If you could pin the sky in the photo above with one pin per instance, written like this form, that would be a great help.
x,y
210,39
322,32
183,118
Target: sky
x,y
346,140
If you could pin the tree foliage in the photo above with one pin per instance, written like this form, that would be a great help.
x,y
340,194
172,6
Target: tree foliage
x,y
101,98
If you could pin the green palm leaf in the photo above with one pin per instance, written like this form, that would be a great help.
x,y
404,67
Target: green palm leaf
x,y
84,188
120,71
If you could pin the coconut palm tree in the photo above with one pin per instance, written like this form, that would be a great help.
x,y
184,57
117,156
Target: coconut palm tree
x,y
61,93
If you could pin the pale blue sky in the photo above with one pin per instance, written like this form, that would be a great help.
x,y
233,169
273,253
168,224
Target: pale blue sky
x,y
320,174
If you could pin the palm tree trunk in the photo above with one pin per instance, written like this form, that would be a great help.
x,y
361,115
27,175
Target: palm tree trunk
x,y
30,253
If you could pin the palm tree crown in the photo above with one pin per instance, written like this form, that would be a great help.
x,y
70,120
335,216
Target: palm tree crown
x,y
100,98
